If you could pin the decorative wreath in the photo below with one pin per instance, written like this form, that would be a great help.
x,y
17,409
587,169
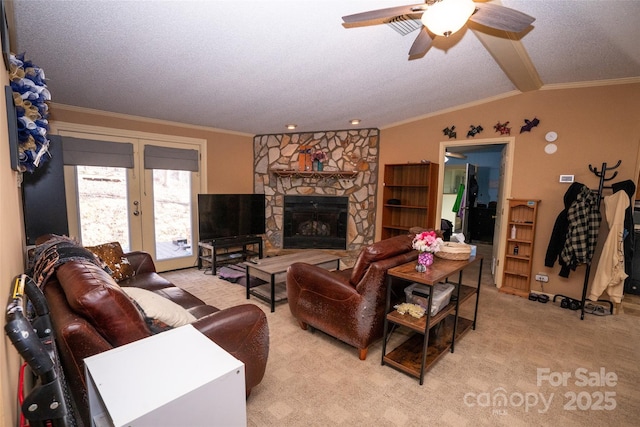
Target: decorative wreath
x,y
30,96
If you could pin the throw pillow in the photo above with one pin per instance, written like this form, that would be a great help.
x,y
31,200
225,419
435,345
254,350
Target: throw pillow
x,y
159,307
113,256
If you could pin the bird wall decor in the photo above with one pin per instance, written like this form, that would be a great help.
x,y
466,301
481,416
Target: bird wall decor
x,y
474,130
450,132
529,124
502,128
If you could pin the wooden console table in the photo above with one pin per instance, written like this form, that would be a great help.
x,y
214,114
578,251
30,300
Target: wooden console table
x,y
415,355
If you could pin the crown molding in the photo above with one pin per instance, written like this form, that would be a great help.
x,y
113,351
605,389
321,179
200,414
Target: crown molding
x,y
591,83
71,108
456,108
554,86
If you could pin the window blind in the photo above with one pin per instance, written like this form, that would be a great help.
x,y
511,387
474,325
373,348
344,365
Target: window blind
x,y
90,152
170,158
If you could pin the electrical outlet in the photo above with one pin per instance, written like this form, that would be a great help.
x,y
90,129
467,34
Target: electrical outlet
x,y
542,278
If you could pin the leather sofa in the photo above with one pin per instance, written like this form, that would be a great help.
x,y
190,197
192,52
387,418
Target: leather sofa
x,y
349,304
91,314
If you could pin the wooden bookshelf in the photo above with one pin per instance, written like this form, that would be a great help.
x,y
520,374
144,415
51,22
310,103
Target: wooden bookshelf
x,y
516,277
412,190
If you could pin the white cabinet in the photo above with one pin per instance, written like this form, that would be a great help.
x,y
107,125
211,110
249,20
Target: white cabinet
x,y
176,378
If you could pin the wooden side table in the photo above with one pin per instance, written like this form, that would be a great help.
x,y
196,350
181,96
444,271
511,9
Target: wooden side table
x,y
415,355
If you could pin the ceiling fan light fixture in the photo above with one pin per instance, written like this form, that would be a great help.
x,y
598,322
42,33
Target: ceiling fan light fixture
x,y
454,155
445,17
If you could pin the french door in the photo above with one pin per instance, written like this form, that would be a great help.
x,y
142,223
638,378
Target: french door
x,y
144,207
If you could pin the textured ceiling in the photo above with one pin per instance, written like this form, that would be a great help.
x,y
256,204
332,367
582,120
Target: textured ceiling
x,y
254,66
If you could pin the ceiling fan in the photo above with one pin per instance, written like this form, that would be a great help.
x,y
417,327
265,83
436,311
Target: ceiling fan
x,y
445,17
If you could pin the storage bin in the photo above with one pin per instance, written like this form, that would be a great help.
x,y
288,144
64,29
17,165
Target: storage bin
x,y
418,294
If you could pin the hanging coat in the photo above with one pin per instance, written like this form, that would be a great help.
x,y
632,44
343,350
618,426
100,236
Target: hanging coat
x,y
561,228
628,187
610,274
582,236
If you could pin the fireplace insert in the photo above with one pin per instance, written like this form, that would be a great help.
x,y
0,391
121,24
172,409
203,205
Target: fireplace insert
x,y
318,222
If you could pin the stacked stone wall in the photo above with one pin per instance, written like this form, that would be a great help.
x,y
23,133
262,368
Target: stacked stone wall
x,y
349,150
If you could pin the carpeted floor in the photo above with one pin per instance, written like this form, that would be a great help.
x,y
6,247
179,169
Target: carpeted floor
x,y
491,379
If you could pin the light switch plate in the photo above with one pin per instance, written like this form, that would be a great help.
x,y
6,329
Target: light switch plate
x,y
566,178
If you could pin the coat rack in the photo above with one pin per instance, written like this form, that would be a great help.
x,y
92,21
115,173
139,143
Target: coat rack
x,y
603,178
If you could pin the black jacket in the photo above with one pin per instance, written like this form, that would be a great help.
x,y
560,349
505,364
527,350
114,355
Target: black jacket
x,y
560,230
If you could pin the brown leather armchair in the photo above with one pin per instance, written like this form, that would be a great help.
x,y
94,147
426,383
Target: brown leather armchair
x,y
348,305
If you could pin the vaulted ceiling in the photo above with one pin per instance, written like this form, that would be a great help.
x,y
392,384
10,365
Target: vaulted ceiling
x,y
255,66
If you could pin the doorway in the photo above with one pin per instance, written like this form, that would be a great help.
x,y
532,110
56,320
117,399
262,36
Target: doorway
x,y
461,154
148,205
459,194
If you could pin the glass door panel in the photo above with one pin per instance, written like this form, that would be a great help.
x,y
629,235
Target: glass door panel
x,y
101,193
172,213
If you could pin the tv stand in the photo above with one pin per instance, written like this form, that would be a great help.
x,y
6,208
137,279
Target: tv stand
x,y
213,252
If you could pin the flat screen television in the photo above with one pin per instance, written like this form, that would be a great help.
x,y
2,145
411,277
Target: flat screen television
x,y
230,215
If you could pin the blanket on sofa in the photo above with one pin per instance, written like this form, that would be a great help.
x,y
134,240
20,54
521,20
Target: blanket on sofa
x,y
56,251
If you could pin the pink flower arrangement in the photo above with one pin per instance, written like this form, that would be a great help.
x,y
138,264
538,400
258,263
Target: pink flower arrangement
x,y
319,156
427,241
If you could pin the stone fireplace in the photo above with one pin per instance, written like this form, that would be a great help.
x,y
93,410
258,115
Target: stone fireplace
x,y
315,222
350,173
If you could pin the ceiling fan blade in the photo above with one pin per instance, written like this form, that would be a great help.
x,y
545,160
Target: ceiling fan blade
x,y
501,18
389,12
421,43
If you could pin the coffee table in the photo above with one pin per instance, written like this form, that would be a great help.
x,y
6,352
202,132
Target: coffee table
x,y
274,271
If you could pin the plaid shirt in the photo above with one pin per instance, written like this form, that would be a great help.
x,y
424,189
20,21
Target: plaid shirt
x,y
584,222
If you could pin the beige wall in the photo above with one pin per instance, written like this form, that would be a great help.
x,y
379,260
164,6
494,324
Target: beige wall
x,y
594,125
11,264
229,155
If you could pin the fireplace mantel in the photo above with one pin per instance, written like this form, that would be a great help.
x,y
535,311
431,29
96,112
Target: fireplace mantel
x,y
293,173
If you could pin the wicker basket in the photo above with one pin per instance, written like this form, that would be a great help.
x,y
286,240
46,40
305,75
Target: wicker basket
x,y
454,251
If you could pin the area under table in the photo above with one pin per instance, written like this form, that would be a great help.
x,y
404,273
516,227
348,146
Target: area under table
x,y
274,272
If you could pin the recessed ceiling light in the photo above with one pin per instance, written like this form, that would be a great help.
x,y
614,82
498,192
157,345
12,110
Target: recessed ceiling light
x,y
292,126
354,121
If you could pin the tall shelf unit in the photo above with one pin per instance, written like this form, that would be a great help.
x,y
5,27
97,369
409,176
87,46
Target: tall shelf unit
x,y
409,195
516,278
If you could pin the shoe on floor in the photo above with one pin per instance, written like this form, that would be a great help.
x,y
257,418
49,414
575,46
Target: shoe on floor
x,y
596,309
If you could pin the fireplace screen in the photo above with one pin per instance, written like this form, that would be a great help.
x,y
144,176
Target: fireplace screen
x,y
318,222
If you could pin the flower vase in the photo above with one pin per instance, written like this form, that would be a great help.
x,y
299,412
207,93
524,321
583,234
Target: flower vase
x,y
316,165
425,259
320,166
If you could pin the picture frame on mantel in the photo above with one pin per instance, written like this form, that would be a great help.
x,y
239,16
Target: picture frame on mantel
x,y
4,35
304,158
